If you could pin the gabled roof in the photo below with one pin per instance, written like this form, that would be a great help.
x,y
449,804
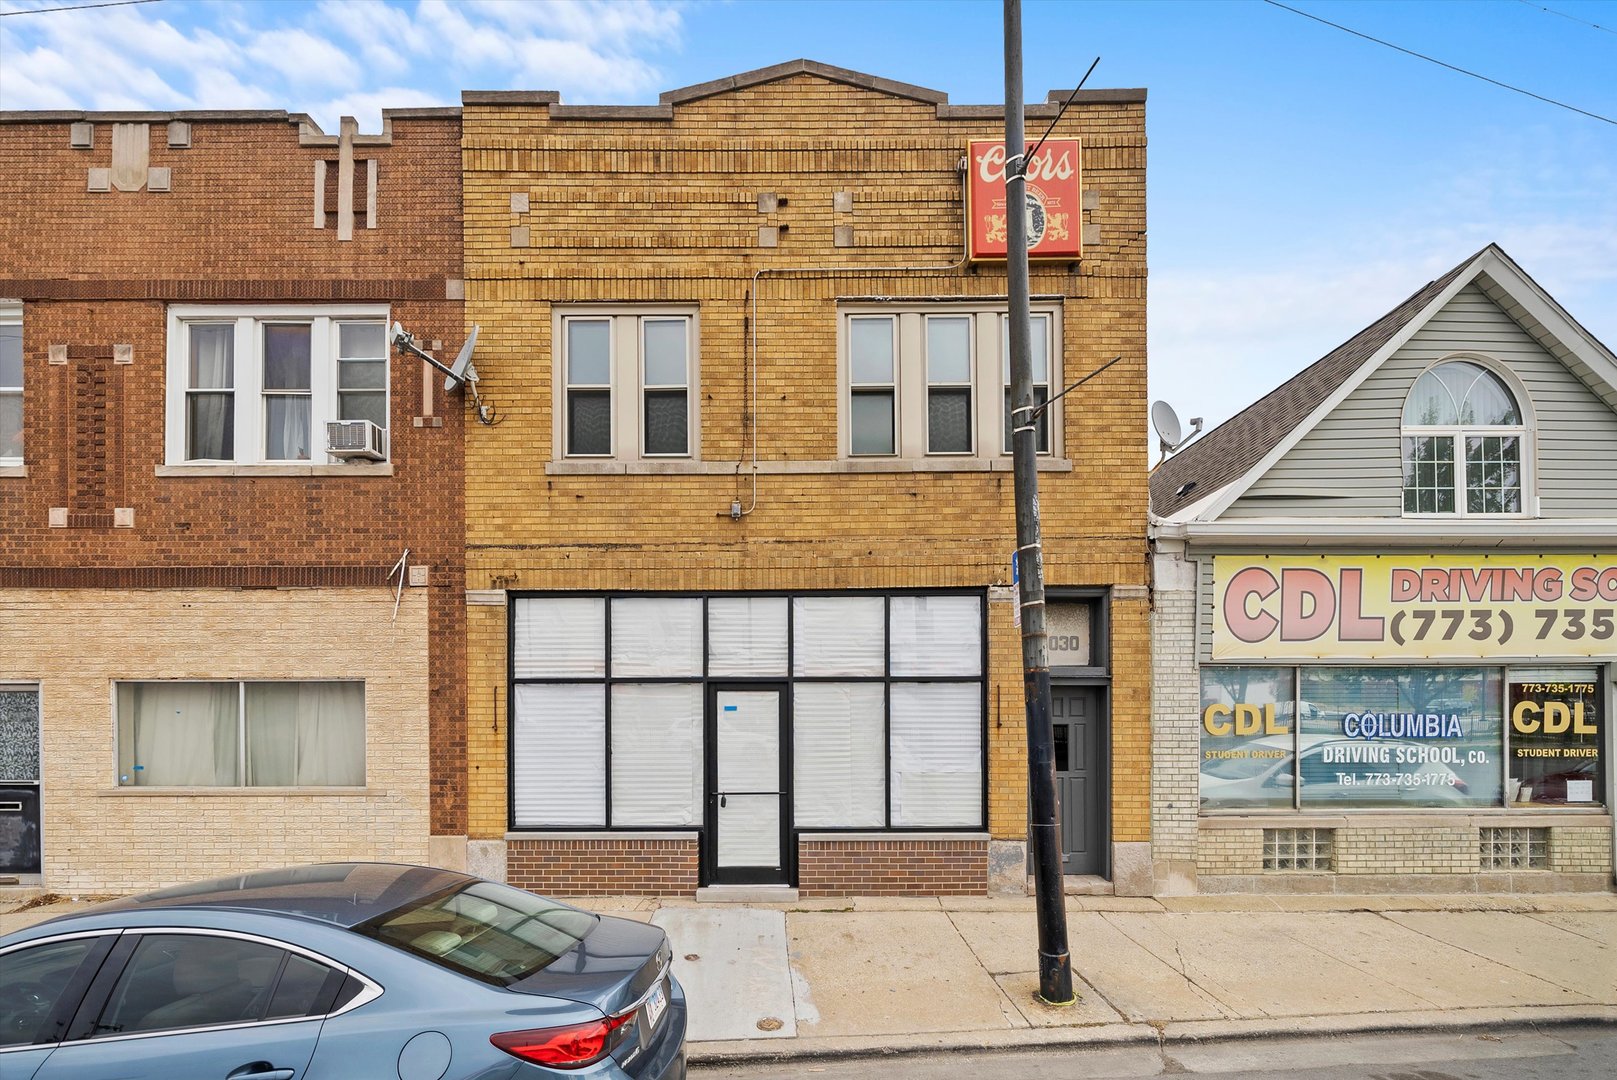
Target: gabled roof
x,y
1232,456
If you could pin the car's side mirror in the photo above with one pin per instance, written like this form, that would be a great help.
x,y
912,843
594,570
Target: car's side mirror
x,y
1281,779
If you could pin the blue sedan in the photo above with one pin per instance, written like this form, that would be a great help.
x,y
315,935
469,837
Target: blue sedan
x,y
339,972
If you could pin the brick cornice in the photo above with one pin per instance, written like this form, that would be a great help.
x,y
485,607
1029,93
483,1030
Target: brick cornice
x,y
190,577
353,289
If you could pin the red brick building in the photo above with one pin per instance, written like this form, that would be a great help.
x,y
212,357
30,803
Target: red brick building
x,y
215,652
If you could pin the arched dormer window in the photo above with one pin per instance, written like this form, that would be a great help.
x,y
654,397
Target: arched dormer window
x,y
1463,436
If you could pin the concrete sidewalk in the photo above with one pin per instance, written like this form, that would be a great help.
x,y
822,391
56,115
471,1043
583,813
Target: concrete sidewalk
x,y
826,978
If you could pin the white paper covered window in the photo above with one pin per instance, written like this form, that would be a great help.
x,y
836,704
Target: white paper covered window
x,y
838,635
937,635
746,635
656,754
559,754
560,637
937,754
657,637
838,759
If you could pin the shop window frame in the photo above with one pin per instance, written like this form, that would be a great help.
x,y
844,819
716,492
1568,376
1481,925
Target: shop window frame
x,y
708,680
1605,673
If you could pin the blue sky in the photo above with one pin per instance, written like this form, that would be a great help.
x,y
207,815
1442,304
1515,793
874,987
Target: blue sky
x,y
1302,181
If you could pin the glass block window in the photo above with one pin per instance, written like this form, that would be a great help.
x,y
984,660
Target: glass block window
x,y
1514,848
1298,849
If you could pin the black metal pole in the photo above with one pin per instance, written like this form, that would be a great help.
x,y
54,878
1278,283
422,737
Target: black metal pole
x,y
1044,830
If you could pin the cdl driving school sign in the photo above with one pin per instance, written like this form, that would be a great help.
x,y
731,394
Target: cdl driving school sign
x,y
1054,219
1382,607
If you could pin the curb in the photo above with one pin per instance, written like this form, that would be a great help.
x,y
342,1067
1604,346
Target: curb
x,y
1451,1021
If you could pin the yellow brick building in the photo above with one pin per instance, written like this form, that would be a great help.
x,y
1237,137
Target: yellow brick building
x,y
738,547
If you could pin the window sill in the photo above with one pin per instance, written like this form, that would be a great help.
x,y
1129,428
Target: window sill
x,y
1410,817
236,792
13,471
380,468
797,468
604,834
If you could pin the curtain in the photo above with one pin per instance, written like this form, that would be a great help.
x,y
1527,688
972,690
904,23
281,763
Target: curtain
x,y
211,416
306,734
559,756
286,427
177,734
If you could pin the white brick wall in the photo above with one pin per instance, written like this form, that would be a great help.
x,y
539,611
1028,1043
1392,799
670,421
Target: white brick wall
x,y
75,643
1175,708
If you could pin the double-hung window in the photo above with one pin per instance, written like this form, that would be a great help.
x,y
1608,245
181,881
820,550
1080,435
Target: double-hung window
x,y
948,384
626,384
1039,356
257,386
933,380
10,384
872,384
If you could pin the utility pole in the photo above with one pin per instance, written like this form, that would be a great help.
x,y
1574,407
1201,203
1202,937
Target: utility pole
x,y
1044,832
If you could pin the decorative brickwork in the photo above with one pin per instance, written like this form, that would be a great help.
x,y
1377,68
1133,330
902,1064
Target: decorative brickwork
x,y
677,222
610,865
96,273
903,866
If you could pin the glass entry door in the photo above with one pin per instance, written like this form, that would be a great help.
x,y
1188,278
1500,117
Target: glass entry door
x,y
746,812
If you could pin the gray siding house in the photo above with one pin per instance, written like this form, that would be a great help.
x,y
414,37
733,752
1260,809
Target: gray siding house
x,y
1385,620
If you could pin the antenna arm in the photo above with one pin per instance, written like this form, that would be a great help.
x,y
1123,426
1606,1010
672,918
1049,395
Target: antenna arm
x,y
410,347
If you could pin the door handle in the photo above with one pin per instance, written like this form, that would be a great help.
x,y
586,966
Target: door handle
x,y
260,1070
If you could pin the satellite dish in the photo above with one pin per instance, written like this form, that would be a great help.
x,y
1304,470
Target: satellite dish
x,y
1166,421
463,371
1169,430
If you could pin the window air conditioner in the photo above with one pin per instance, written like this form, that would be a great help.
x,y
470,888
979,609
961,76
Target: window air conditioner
x,y
355,439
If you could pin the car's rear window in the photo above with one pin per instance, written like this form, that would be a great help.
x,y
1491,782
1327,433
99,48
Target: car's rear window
x,y
491,932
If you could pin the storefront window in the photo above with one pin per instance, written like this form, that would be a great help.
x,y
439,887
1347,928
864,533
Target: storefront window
x,y
1555,737
884,695
1246,738
1401,736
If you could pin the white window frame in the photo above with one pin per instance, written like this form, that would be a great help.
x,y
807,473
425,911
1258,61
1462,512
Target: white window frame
x,y
627,389
241,735
248,389
911,429
11,315
1457,434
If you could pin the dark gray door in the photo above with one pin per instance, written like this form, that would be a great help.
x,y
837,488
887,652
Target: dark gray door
x,y
1080,777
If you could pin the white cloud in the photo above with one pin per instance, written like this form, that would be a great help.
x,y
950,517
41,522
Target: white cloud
x,y
302,59
338,54
366,106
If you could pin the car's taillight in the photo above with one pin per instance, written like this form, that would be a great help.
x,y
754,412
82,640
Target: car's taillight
x,y
1461,786
563,1047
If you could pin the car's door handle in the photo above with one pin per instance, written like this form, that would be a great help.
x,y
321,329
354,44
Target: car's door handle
x,y
260,1070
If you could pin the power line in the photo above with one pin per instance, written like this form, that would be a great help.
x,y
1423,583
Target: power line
x,y
1442,64
1564,15
76,7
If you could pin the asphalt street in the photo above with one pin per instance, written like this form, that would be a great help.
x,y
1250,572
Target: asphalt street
x,y
1551,1053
